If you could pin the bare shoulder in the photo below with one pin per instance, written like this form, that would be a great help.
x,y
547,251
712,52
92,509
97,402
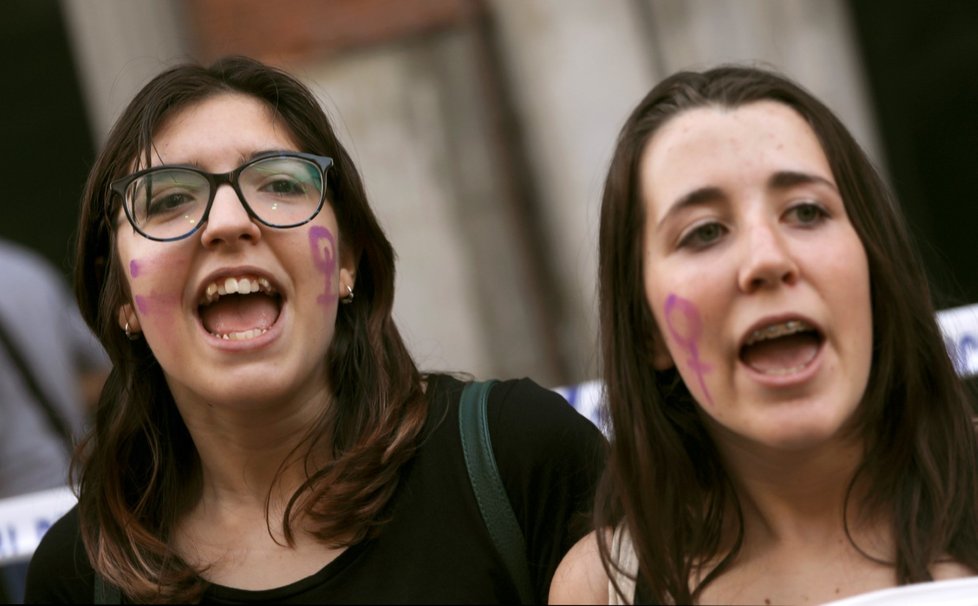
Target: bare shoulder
x,y
580,578
949,569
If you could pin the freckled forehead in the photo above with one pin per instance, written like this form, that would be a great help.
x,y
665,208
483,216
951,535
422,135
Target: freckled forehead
x,y
219,132
727,148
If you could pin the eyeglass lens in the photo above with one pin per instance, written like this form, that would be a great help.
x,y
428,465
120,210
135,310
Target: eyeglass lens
x,y
171,202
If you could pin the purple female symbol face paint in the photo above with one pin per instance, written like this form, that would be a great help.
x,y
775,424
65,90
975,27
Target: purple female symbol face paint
x,y
141,303
685,325
155,301
324,259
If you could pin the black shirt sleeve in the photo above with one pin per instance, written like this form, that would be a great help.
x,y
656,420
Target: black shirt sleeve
x,y
550,458
59,572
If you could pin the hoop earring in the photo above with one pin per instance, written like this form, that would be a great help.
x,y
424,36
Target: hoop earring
x,y
349,297
132,336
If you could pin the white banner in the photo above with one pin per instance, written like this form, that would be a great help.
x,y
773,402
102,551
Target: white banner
x,y
960,328
25,519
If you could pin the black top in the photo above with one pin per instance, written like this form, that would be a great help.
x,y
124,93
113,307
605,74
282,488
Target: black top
x,y
436,547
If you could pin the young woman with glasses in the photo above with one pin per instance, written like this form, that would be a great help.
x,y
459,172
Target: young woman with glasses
x,y
787,426
264,434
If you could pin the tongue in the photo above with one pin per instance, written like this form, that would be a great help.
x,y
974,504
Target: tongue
x,y
238,313
777,356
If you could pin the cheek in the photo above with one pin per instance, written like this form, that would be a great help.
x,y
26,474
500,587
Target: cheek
x,y
843,279
156,285
854,304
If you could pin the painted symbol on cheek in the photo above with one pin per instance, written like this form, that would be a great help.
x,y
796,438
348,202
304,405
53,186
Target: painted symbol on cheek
x,y
155,301
686,331
323,259
142,304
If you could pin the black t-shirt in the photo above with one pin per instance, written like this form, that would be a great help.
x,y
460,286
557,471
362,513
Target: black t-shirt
x,y
435,548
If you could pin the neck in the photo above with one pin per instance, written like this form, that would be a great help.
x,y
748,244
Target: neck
x,y
255,455
798,496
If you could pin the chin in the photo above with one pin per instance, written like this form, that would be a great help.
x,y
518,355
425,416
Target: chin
x,y
803,436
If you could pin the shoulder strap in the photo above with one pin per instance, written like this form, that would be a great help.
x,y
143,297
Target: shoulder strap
x,y
106,593
497,512
51,414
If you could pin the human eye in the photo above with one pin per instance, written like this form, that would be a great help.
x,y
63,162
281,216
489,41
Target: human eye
x,y
278,178
168,202
807,214
166,194
284,185
702,235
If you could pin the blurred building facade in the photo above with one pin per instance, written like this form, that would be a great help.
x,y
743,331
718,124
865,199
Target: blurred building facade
x,y
483,130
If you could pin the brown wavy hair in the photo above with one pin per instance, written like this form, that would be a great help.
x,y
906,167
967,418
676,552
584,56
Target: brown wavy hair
x,y
665,480
139,471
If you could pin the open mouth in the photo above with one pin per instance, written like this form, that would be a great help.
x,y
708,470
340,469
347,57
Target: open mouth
x,y
239,308
781,349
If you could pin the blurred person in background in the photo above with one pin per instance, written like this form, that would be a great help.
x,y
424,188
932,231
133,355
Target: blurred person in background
x,y
51,370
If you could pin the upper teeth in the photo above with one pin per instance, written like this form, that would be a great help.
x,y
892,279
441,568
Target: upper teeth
x,y
229,286
777,330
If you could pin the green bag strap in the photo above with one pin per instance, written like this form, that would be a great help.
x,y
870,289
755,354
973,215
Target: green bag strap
x,y
105,593
497,512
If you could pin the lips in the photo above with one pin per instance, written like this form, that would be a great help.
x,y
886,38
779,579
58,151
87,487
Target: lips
x,y
239,307
781,347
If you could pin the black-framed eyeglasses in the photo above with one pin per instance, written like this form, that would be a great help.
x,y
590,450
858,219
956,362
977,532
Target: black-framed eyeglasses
x,y
282,190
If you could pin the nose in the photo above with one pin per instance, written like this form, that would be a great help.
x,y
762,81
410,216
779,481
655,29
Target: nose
x,y
228,221
767,260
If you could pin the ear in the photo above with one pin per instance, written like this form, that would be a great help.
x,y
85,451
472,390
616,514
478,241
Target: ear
x,y
128,320
348,271
348,276
661,358
347,285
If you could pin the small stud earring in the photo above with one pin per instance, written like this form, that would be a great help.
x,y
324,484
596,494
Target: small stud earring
x,y
349,297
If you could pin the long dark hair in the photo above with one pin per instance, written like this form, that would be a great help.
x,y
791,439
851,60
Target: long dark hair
x,y
139,470
665,480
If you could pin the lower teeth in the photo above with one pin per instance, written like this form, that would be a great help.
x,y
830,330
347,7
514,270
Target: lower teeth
x,y
780,372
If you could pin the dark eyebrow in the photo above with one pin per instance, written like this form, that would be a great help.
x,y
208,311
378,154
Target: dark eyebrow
x,y
697,197
268,152
245,159
787,179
